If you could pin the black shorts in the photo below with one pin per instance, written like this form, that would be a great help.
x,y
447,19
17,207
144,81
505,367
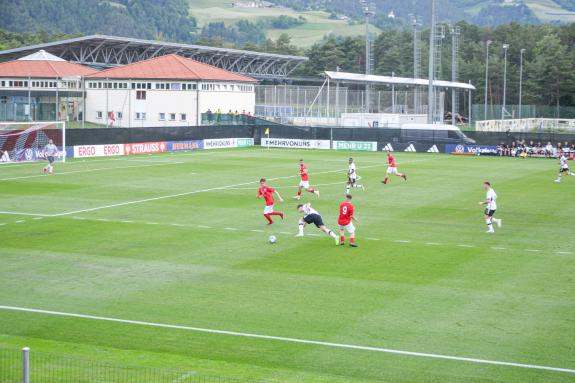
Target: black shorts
x,y
51,159
315,219
563,170
489,212
351,180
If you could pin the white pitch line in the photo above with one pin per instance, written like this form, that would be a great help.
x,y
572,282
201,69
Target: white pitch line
x,y
37,218
468,246
283,232
26,214
292,340
20,221
432,243
402,241
2,224
373,239
90,171
499,248
127,221
257,231
563,252
230,228
205,227
532,250
152,223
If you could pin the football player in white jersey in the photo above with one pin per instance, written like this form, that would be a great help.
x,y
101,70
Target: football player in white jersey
x,y
310,216
352,177
490,207
50,152
564,167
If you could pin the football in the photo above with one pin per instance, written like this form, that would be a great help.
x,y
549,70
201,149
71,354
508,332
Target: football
x,y
272,239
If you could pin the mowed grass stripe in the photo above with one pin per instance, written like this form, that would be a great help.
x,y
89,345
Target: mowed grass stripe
x,y
291,340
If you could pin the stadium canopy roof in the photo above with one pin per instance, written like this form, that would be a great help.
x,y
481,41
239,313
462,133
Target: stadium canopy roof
x,y
102,51
358,78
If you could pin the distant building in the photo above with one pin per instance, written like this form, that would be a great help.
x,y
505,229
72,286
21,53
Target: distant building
x,y
168,90
41,86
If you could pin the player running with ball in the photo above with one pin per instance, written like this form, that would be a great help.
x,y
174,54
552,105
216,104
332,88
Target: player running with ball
x,y
392,168
346,210
312,216
50,152
268,193
490,207
304,183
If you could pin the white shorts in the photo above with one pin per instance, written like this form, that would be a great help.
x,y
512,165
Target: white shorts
x,y
269,209
353,178
304,184
391,170
349,227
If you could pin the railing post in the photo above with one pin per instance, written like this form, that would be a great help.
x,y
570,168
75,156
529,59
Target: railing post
x,y
26,365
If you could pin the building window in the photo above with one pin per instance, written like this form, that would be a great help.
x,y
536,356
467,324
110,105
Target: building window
x,y
183,117
162,116
115,85
175,86
140,116
99,85
99,115
119,115
133,86
3,83
140,95
172,116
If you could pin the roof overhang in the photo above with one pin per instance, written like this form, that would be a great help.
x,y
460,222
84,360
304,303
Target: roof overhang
x,y
109,51
358,78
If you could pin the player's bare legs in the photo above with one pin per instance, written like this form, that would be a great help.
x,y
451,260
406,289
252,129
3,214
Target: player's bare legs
x,y
309,190
352,184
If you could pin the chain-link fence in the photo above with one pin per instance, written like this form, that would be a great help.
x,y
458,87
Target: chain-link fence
x,y
37,367
495,112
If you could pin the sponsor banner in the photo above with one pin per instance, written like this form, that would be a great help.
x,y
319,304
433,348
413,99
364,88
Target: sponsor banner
x,y
355,145
293,143
220,143
245,142
98,150
28,154
471,149
145,147
184,146
411,147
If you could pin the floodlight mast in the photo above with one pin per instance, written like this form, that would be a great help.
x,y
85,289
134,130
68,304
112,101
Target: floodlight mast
x,y
430,88
368,13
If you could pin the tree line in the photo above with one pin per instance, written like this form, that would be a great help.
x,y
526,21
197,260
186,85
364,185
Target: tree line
x,y
548,70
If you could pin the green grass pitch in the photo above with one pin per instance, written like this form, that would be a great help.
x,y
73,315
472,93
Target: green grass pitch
x,y
169,239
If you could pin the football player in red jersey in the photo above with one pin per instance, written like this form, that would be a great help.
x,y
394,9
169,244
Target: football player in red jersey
x,y
392,168
304,183
346,211
268,193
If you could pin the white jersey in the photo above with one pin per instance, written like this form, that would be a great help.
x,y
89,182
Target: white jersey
x,y
50,150
563,162
491,197
351,172
307,210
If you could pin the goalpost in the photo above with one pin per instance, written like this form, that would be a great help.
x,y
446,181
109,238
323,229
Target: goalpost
x,y
25,141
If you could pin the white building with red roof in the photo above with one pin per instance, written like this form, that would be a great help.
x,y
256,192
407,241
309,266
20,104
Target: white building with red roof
x,y
41,86
167,90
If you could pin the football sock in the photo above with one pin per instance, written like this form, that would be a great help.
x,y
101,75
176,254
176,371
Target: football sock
x,y
268,218
352,240
301,225
276,213
489,224
347,189
311,190
331,234
357,186
342,238
299,193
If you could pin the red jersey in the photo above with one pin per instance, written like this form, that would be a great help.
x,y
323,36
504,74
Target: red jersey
x,y
267,192
345,213
303,172
391,161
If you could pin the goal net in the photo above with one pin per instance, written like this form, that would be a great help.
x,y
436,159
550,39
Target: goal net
x,y
25,141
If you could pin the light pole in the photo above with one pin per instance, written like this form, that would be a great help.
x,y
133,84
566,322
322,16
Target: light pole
x,y
430,87
505,48
487,44
520,80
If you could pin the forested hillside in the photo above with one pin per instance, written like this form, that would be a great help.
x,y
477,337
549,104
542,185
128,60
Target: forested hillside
x,y
147,19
